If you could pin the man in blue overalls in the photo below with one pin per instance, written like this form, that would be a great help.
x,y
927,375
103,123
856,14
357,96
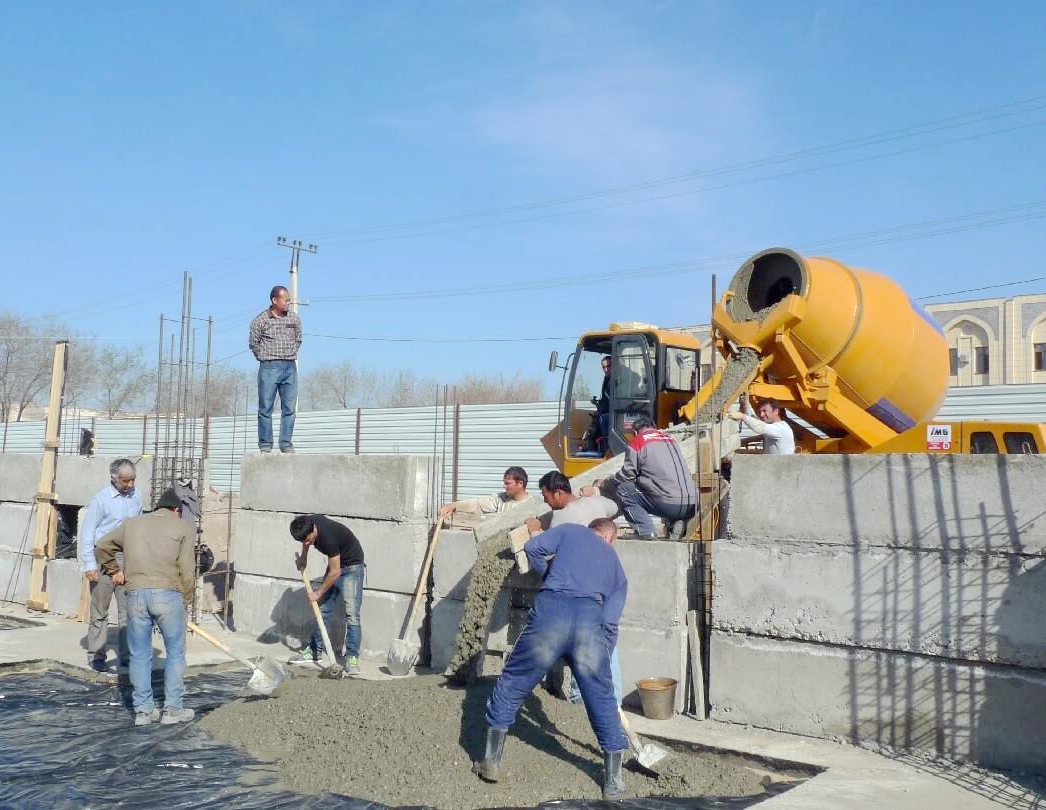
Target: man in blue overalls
x,y
575,616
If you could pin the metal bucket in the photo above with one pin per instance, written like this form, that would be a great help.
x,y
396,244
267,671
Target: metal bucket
x,y
658,696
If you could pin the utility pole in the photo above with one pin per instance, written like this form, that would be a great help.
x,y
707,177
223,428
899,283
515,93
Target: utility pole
x,y
296,247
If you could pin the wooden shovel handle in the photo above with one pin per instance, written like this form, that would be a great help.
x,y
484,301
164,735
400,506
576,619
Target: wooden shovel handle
x,y
219,644
319,620
422,578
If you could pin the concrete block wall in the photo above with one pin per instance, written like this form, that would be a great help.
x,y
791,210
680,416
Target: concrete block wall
x,y
77,480
382,499
653,626
886,600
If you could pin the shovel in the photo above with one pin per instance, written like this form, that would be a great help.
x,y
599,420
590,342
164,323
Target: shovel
x,y
332,671
647,754
265,677
402,653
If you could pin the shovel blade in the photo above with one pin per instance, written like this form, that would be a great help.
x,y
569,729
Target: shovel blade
x,y
402,656
649,755
267,677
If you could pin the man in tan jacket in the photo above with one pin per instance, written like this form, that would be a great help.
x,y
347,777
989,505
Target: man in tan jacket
x,y
158,575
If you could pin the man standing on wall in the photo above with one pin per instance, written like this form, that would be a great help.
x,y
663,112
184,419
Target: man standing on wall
x,y
275,339
107,510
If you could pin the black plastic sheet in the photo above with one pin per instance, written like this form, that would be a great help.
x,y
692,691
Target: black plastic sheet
x,y
71,743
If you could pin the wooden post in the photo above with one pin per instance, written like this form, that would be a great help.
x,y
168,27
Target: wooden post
x,y
44,540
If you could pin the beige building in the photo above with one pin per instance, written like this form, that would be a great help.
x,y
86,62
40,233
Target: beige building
x,y
994,341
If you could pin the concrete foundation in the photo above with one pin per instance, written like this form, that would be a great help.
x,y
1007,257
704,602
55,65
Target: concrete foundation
x,y
14,576
77,478
886,600
376,487
17,526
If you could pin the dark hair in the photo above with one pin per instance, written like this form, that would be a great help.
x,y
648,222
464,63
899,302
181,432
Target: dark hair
x,y
601,525
517,474
276,291
301,526
641,422
555,481
773,403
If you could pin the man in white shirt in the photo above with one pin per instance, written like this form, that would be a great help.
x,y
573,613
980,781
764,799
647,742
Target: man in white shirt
x,y
568,507
515,493
778,439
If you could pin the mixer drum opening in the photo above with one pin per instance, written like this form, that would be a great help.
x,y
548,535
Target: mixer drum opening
x,y
773,276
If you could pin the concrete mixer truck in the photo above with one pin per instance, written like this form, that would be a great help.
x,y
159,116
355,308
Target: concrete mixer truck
x,y
858,365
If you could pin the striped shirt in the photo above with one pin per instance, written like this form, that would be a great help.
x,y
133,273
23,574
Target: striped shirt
x,y
275,338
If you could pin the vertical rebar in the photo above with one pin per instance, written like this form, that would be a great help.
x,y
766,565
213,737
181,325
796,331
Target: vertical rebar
x,y
443,456
181,373
456,450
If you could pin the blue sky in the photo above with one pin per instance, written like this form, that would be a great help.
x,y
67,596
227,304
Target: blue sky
x,y
141,140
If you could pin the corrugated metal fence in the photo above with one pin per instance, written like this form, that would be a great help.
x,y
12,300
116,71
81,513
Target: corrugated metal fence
x,y
477,442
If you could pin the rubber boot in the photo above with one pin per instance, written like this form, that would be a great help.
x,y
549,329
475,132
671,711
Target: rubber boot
x,y
613,785
489,768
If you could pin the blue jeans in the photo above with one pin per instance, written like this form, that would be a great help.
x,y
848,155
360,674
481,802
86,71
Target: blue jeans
x,y
639,508
165,609
561,627
350,586
615,676
273,376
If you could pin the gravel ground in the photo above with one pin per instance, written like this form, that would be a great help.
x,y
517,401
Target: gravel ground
x,y
412,742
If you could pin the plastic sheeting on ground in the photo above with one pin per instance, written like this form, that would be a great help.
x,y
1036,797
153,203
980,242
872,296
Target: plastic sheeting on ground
x,y
67,742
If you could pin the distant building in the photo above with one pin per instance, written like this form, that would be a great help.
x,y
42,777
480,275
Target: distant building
x,y
993,341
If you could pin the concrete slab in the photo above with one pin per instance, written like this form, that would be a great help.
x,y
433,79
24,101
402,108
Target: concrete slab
x,y
444,619
14,576
995,716
63,588
959,504
393,551
978,607
78,478
646,653
17,526
658,577
452,563
379,487
276,610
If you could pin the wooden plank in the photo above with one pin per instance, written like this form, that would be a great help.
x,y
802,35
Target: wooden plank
x,y
83,611
697,672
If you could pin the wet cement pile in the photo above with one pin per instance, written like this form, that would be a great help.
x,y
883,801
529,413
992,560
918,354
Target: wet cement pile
x,y
737,373
494,562
412,742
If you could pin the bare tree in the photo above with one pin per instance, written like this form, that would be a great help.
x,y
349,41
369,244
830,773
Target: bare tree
x,y
336,386
229,391
482,389
122,380
26,352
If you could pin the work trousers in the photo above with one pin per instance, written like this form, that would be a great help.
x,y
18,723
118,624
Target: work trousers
x,y
276,376
165,609
640,509
561,627
350,586
102,593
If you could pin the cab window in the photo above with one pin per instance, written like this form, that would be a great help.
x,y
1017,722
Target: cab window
x,y
680,365
1020,442
983,442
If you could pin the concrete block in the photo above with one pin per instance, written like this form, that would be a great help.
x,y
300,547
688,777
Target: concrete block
x,y
452,563
444,620
953,503
646,653
63,588
393,551
17,526
658,578
79,478
14,576
372,486
995,716
980,607
277,609
19,476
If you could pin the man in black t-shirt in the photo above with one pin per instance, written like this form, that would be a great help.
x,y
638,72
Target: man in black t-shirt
x,y
345,568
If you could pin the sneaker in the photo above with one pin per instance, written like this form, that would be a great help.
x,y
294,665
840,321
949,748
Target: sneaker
x,y
308,657
352,665
288,449
98,663
146,718
677,531
264,449
172,716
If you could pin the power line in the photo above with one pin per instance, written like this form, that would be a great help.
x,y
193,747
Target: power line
x,y
929,127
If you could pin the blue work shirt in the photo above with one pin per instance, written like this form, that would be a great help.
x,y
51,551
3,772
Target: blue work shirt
x,y
107,510
583,565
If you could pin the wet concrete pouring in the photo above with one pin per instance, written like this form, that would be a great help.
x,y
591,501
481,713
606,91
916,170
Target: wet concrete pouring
x,y
412,742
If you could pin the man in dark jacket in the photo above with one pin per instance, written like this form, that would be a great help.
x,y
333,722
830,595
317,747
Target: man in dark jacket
x,y
575,616
654,481
345,569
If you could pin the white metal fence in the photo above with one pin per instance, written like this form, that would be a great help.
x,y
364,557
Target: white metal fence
x,y
477,442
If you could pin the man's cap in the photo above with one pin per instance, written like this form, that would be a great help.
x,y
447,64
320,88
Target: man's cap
x,y
169,500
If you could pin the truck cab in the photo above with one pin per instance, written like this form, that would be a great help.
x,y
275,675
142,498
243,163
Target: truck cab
x,y
652,373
